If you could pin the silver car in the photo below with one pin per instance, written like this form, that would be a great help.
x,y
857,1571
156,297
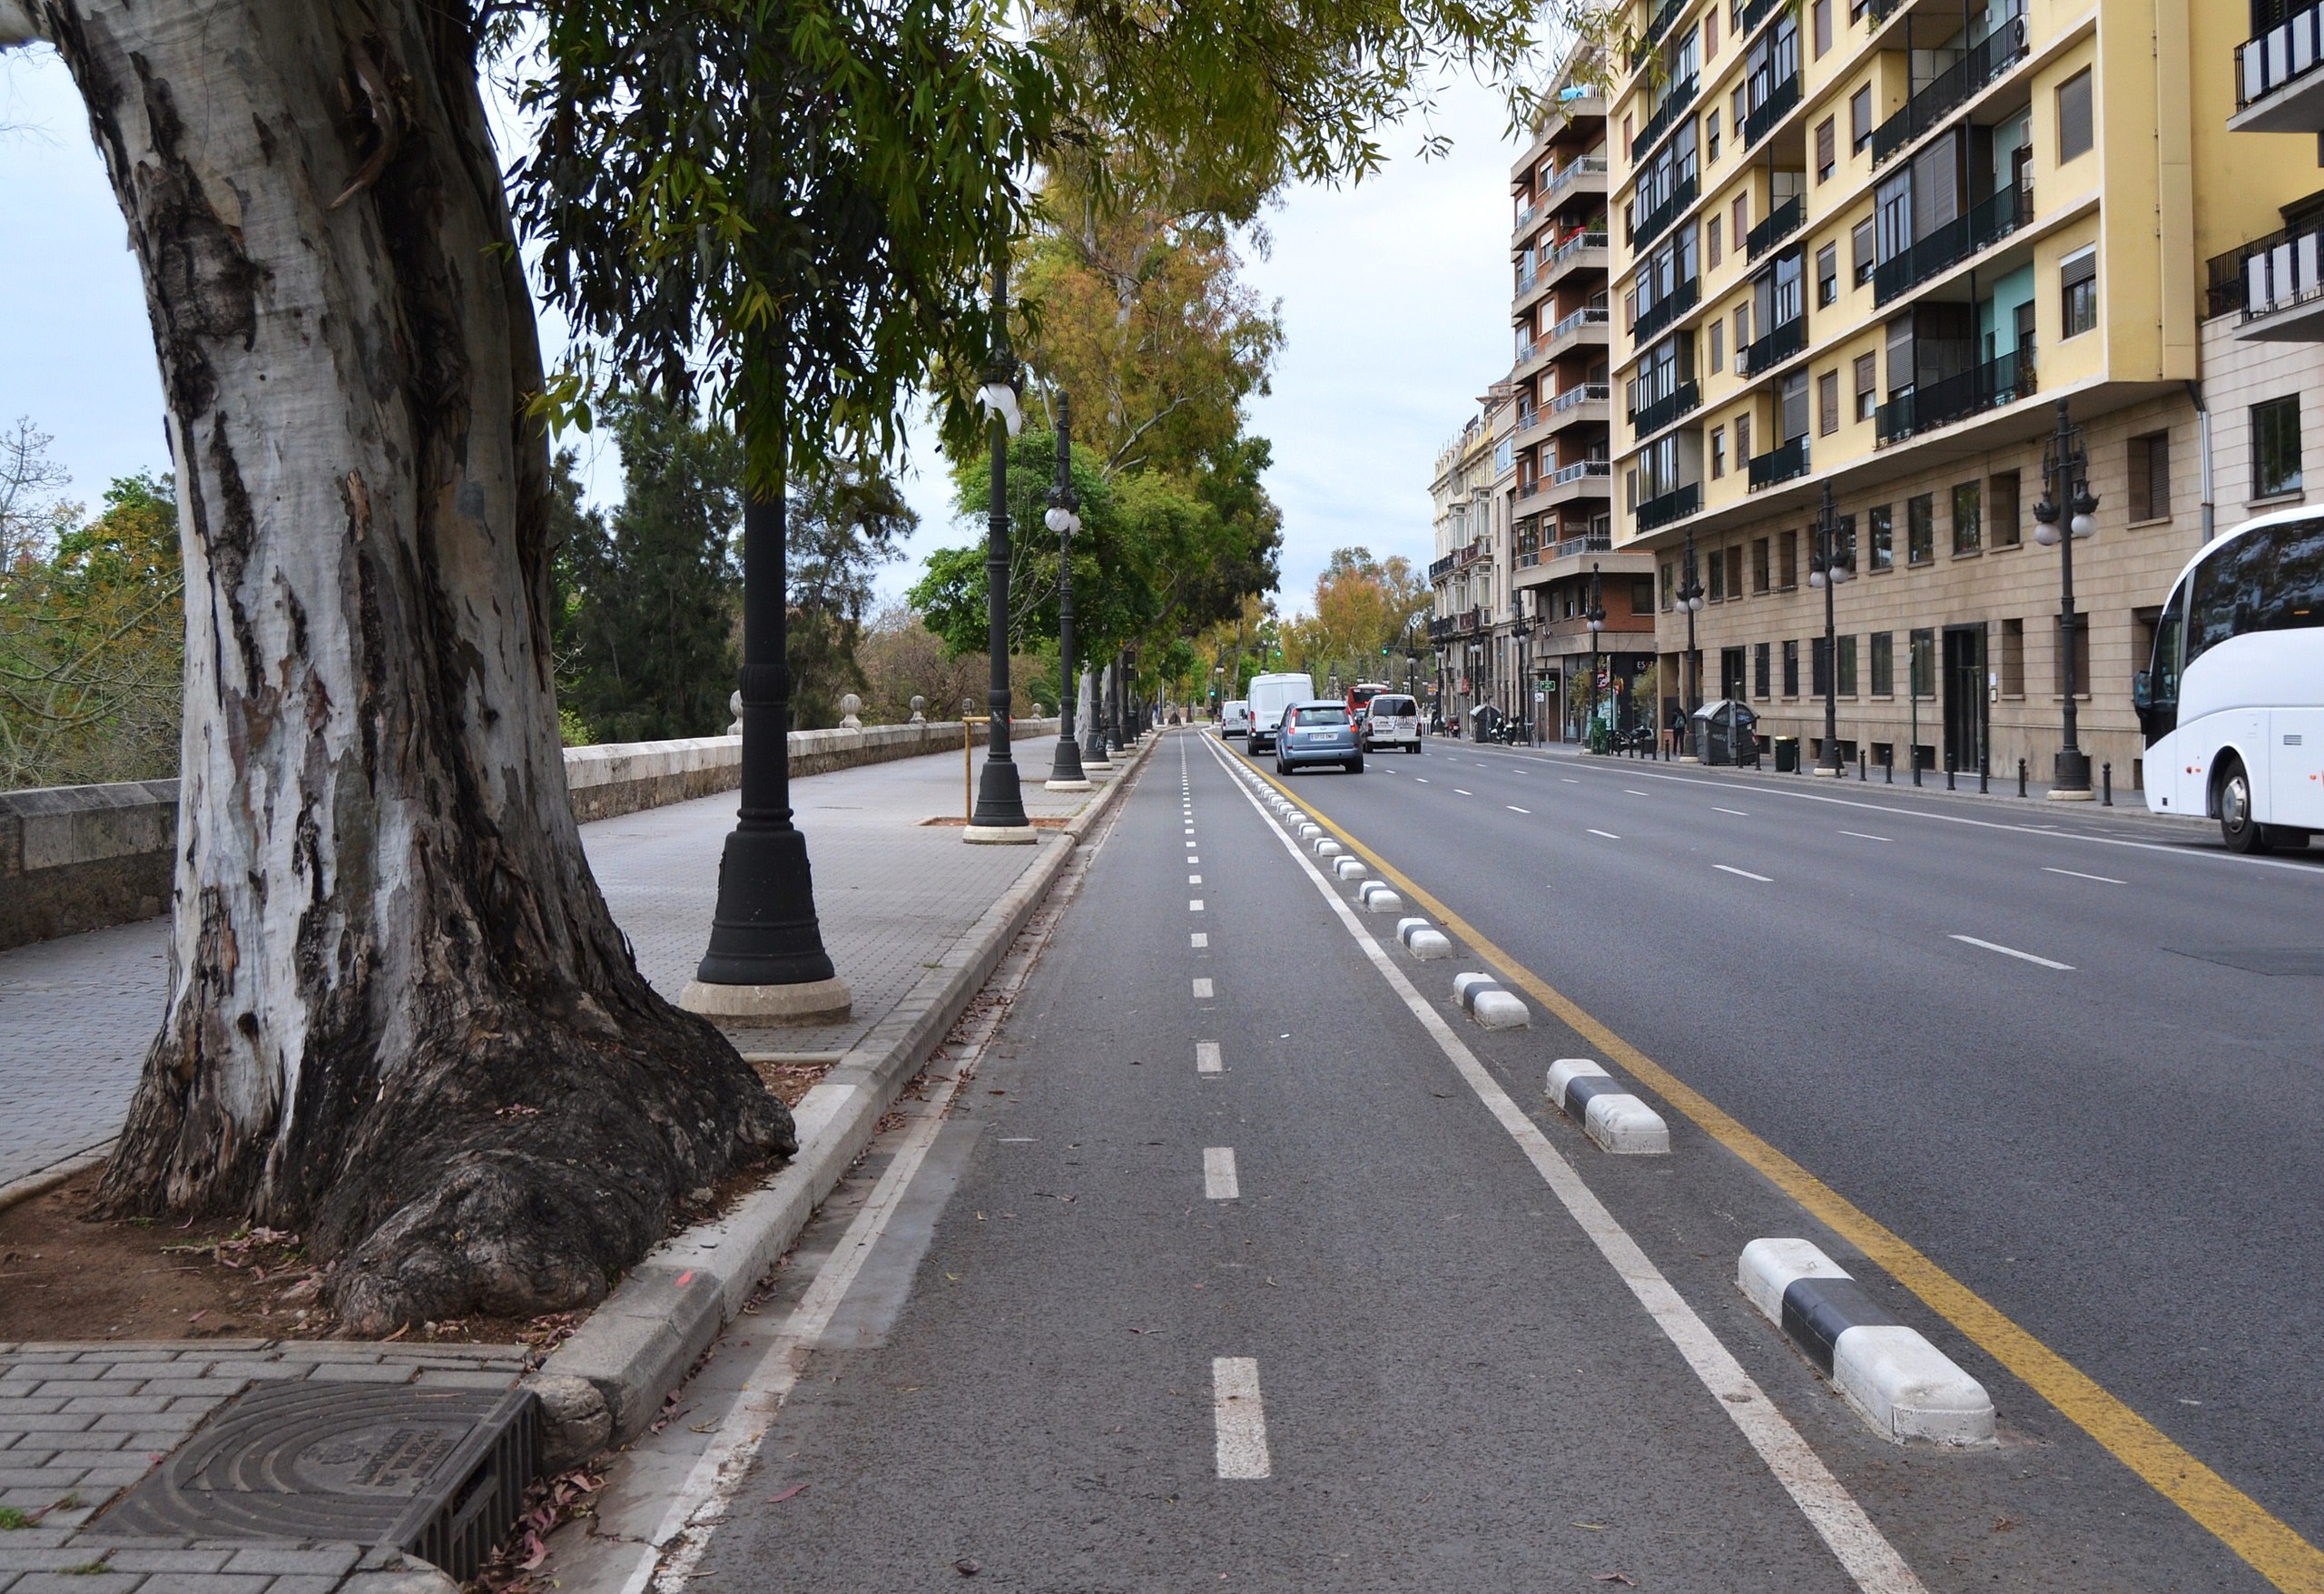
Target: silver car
x,y
1317,732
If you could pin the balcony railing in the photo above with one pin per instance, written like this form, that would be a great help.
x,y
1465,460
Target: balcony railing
x,y
1589,315
1981,388
1526,278
1681,300
1658,512
1438,630
1666,116
1582,469
1529,348
1581,393
1752,14
1588,239
2280,271
1440,568
1573,548
1565,175
1771,110
1779,463
2284,55
1993,219
1763,354
1680,401
1657,222
1525,218
1952,88
1782,222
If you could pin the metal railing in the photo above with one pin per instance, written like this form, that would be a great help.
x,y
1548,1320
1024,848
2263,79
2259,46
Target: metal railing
x,y
1782,222
1666,116
2280,272
2282,56
1779,463
1753,13
1658,220
1981,388
1527,277
1564,176
1652,417
1589,315
1526,217
1658,512
1763,353
1438,568
1587,239
1580,470
1529,348
1581,393
1991,220
1771,110
1952,88
1595,541
1680,300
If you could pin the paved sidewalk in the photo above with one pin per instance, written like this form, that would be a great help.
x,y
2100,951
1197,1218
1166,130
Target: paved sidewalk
x,y
77,1014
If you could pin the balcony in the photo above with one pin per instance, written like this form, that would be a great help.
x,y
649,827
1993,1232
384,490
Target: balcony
x,y
1650,419
1580,320
2277,283
1665,118
1773,109
1440,629
1764,354
1981,388
1951,242
1753,14
1439,569
1658,220
1571,172
1682,299
1584,479
1880,11
1526,217
2276,86
1784,220
1952,88
1779,463
1658,512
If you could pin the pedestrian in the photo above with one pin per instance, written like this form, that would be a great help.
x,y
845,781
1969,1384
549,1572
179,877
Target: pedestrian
x,y
1675,734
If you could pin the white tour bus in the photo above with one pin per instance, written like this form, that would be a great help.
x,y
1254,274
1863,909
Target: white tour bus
x,y
1270,696
2232,701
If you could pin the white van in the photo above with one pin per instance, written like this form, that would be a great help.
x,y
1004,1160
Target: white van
x,y
1235,719
1270,696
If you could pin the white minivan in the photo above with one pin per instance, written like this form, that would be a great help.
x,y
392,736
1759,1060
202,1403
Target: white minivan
x,y
1235,719
1270,696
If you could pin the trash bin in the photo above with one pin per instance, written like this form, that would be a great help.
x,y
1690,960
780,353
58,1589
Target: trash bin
x,y
1786,755
1723,733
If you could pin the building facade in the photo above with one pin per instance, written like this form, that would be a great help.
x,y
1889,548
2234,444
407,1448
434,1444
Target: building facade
x,y
1471,617
1860,252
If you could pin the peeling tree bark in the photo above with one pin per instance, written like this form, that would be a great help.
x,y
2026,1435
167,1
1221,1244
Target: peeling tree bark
x,y
400,1019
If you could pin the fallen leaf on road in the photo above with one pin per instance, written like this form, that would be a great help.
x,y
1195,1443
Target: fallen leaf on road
x,y
1624,1578
966,1568
1593,1527
786,1494
1146,1330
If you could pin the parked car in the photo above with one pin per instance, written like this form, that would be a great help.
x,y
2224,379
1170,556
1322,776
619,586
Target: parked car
x,y
1270,696
1390,718
1317,732
1235,719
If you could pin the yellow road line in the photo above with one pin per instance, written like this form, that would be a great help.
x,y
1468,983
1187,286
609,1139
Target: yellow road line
x,y
2241,1524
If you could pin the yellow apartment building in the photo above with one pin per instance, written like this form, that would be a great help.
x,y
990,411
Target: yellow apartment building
x,y
1865,250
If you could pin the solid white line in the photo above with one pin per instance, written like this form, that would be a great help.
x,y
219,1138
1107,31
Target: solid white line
x,y
1865,836
1202,990
1737,813
1207,1058
2104,879
1608,835
1868,1558
1198,940
1241,1419
2013,952
1746,874
1515,808
1219,1181
1194,904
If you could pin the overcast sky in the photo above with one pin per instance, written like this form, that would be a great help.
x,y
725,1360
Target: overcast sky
x,y
1394,297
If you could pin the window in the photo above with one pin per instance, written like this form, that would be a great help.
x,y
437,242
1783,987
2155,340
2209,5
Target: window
x,y
1641,594
2150,477
1819,667
2275,448
1788,562
2080,657
1827,404
1792,407
1740,214
1924,663
1968,519
1791,669
1827,274
2073,117
1670,587
1710,36
1761,685
1864,249
2078,292
1828,159
1737,110
1868,384
1742,328
1920,529
1822,27
2013,658
2269,580
1712,238
1880,537
1759,564
1717,344
1742,437
1883,663
1718,450
1734,571
1860,118
1717,579
1710,138
2002,527
1847,666
1630,130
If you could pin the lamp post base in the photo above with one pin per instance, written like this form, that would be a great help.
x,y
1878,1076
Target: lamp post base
x,y
1081,785
2070,781
2066,794
1001,836
814,1001
1824,772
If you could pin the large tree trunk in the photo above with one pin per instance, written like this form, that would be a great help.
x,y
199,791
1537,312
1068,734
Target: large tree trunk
x,y
400,1016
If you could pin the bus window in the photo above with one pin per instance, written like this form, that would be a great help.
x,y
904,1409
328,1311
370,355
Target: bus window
x,y
2271,580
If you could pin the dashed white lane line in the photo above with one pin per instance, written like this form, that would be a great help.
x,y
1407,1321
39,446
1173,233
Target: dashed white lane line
x,y
1422,778
1636,793
1207,1058
2103,880
1203,991
1241,1418
1194,904
1198,941
1746,874
1515,808
1457,792
1569,780
1192,859
1608,835
1866,836
1737,813
1219,1181
2013,952
1194,880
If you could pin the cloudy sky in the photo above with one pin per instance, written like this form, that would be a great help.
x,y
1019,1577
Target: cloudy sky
x,y
1394,297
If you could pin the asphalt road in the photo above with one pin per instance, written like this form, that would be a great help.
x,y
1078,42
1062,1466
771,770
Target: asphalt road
x,y
1444,1381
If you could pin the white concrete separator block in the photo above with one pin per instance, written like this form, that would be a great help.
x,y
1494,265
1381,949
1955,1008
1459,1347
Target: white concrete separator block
x,y
1497,1009
1308,832
1407,928
1430,945
1463,984
1908,1389
1350,869
1767,1268
1328,849
1566,1070
1626,1127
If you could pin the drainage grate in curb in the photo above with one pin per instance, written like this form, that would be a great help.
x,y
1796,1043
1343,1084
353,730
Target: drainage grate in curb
x,y
438,1473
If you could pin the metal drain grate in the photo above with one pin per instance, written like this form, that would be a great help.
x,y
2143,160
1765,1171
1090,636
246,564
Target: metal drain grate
x,y
2259,959
438,1473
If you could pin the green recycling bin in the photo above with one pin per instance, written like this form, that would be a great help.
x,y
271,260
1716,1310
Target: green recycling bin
x,y
1786,755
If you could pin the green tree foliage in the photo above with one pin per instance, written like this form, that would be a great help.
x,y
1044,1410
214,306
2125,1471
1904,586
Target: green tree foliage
x,y
845,524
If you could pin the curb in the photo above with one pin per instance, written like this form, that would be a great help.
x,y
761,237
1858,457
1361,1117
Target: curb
x,y
1617,1121
602,1386
1482,999
1901,1384
54,1175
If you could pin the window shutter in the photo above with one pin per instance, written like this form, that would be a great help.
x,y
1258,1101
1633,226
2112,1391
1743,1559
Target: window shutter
x,y
1827,147
2079,266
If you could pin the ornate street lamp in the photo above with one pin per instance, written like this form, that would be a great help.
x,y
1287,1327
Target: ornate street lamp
x,y
1690,601
1000,814
2065,475
1829,568
1595,618
1066,775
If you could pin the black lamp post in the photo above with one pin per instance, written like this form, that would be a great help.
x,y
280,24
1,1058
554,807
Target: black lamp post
x,y
1595,618
1690,682
2065,474
1829,566
999,814
1066,775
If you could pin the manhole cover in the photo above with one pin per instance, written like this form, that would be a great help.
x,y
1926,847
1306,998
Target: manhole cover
x,y
2259,959
438,1473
